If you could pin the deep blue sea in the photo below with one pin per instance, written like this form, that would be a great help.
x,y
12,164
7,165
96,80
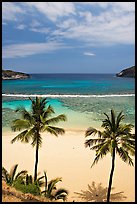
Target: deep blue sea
x,y
82,97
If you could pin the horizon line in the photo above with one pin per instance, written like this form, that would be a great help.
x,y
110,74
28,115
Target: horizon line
x,y
70,73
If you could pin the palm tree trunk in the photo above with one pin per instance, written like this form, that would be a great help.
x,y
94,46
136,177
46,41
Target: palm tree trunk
x,y
111,175
36,164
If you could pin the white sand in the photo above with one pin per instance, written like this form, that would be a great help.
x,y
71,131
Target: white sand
x,y
67,157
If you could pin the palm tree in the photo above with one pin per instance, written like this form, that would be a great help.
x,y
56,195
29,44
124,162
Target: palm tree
x,y
35,122
52,192
116,138
11,177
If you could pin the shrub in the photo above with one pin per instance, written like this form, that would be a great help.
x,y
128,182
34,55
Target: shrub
x,y
30,188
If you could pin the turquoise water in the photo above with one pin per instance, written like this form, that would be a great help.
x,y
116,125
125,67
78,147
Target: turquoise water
x,y
82,97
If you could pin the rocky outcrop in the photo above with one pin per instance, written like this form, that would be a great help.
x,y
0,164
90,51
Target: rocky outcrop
x,y
9,74
129,72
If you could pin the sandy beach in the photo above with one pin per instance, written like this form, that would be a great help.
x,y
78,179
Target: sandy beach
x,y
66,156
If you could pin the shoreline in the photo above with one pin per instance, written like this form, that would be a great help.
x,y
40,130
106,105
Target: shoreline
x,y
7,131
66,156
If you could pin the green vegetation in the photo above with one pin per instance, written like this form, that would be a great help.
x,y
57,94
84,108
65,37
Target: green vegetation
x,y
30,188
52,192
35,122
116,138
11,177
26,184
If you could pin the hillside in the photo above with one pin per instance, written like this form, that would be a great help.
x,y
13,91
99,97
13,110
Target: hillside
x,y
10,194
9,74
128,72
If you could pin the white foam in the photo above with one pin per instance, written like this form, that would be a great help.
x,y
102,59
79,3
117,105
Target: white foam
x,y
67,95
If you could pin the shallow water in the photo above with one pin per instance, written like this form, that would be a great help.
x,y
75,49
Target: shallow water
x,y
82,97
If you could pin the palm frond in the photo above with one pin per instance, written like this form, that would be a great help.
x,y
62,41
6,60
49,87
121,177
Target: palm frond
x,y
21,174
5,175
120,117
29,179
61,194
129,148
36,140
54,130
96,160
124,129
48,112
124,155
52,184
56,119
113,120
128,140
21,136
101,151
61,191
97,146
29,134
91,131
20,124
25,114
13,172
46,180
91,142
106,123
44,100
39,182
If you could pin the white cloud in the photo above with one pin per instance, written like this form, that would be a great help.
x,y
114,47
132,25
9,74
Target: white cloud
x,y
40,30
10,11
53,10
23,50
123,6
113,23
21,27
35,23
89,53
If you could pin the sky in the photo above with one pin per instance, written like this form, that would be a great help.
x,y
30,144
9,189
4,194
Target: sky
x,y
68,37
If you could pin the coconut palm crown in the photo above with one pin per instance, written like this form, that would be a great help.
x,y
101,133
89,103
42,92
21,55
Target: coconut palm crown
x,y
36,121
115,138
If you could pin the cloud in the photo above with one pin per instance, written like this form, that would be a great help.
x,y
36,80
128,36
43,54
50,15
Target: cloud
x,y
10,11
21,27
53,10
40,30
91,23
115,25
23,50
89,54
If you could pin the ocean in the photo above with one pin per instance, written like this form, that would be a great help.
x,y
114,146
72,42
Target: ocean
x,y
82,97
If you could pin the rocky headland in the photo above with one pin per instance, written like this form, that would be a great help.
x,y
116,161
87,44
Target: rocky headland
x,y
9,74
128,72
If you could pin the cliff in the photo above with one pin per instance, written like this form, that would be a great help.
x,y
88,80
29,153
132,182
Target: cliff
x,y
129,72
9,74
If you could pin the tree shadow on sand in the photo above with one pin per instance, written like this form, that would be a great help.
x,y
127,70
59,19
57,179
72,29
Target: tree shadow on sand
x,y
97,193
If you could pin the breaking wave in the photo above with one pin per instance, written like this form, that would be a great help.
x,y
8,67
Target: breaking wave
x,y
67,95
